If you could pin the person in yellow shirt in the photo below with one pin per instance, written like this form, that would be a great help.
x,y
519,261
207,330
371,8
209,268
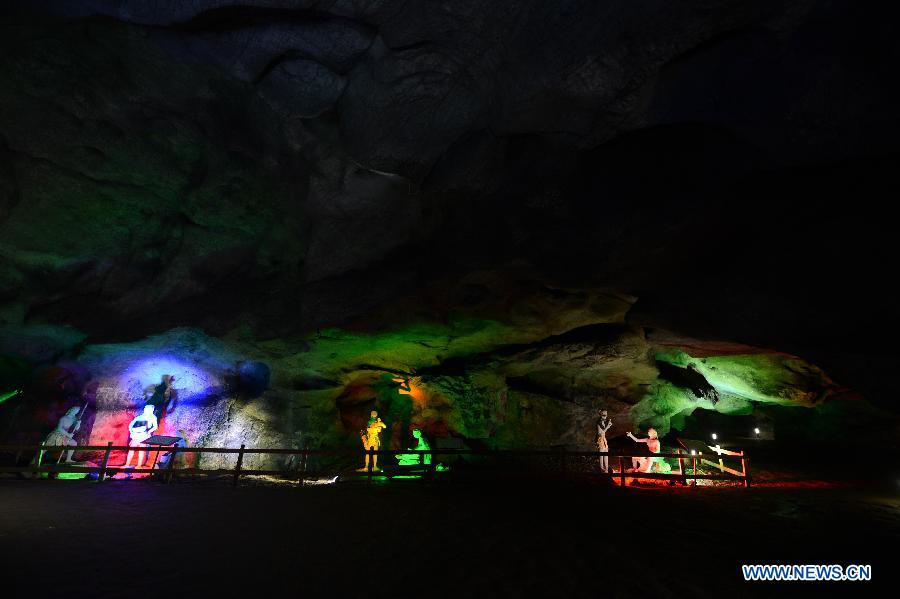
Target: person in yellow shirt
x,y
371,439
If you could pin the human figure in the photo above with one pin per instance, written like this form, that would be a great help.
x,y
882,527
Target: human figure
x,y
414,459
141,428
603,425
371,439
64,434
645,464
161,395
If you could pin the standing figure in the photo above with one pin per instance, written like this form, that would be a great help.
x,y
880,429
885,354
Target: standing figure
x,y
141,428
603,425
64,434
161,395
371,439
645,464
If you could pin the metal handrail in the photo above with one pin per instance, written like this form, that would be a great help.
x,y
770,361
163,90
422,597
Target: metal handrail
x,y
345,451
105,468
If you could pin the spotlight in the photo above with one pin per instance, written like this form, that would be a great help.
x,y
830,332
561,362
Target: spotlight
x,y
756,430
715,436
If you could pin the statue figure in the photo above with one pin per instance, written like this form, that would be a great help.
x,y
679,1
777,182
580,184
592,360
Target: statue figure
x,y
64,433
414,459
141,428
371,439
603,425
161,395
645,464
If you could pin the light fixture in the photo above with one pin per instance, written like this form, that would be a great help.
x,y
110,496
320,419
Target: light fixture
x,y
714,436
693,452
756,430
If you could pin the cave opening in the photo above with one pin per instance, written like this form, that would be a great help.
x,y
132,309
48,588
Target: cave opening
x,y
690,378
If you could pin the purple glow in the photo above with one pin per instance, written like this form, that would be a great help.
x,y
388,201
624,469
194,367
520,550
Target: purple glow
x,y
190,381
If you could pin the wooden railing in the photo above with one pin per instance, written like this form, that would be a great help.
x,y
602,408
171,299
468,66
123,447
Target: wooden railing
x,y
301,473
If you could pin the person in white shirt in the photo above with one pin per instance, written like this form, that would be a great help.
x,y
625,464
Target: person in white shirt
x,y
141,428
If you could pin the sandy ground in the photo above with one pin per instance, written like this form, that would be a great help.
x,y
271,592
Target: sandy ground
x,y
207,539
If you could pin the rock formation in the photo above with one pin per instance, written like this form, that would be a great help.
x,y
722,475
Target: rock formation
x,y
524,210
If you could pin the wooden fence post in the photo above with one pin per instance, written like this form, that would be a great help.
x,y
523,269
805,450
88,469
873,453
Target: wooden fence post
x,y
170,467
40,457
744,471
102,476
240,462
694,470
303,457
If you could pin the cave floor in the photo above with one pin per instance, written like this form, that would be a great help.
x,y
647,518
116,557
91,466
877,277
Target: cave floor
x,y
200,539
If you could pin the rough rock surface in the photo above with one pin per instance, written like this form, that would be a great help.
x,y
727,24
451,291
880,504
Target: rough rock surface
x,y
506,382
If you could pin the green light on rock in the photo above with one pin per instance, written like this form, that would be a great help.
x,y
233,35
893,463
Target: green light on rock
x,y
8,395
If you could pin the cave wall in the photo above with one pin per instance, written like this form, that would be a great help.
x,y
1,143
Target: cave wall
x,y
533,377
529,210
